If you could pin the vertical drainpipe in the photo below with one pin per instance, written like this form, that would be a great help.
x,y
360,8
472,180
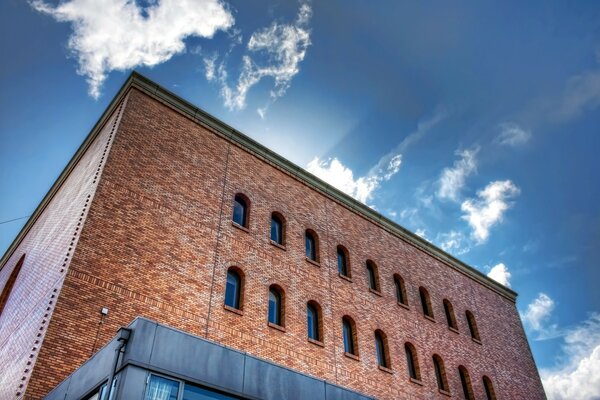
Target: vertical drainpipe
x,y
123,335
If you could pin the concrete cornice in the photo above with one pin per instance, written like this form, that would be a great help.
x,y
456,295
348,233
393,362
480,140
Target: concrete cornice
x,y
189,110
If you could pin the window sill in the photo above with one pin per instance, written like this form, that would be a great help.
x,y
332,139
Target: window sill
x,y
233,309
451,329
427,317
445,392
416,381
345,277
279,246
316,342
275,326
476,341
240,227
352,356
404,305
313,262
385,369
376,292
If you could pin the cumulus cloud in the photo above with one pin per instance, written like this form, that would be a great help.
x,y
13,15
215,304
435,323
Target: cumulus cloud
x,y
338,175
538,312
576,377
500,274
512,135
488,209
453,179
119,35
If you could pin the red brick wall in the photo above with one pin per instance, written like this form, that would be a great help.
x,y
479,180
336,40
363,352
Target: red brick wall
x,y
159,239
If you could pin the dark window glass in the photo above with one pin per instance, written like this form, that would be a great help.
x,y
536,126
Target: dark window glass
x,y
240,211
465,382
341,260
400,295
440,373
472,325
372,276
411,362
276,229
274,307
380,350
311,251
425,302
449,314
232,290
312,317
193,392
348,337
489,388
160,388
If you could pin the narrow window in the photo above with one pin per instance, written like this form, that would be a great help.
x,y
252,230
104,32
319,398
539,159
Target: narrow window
x,y
240,210
10,283
381,348
489,388
349,333
400,290
472,325
233,289
342,261
276,305
277,227
425,302
412,362
311,245
373,275
440,373
449,310
160,388
313,323
465,381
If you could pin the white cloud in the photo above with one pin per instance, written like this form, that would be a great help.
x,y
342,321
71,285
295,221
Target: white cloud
x,y
336,174
453,242
500,274
581,93
210,67
512,135
538,312
489,208
577,376
118,35
453,179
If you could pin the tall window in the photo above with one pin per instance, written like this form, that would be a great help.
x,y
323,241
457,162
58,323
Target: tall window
x,y
472,325
313,321
426,302
489,388
160,388
411,361
465,382
233,289
381,349
449,310
342,261
400,290
276,305
440,373
349,333
10,283
277,227
311,245
373,275
240,210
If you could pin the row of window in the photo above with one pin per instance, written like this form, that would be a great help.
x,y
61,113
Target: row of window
x,y
240,217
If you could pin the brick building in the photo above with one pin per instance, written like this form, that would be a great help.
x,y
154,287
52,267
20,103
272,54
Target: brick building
x,y
169,214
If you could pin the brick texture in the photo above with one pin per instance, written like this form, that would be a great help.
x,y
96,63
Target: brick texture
x,y
157,242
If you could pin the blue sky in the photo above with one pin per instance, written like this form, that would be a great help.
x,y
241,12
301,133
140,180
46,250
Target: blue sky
x,y
473,124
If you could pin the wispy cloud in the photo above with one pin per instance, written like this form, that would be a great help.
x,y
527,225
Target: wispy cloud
x,y
513,135
582,93
453,242
119,35
453,179
488,209
500,274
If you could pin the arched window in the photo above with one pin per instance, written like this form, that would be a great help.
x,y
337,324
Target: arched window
x,y
426,302
311,245
241,206
373,275
313,321
276,305
343,261
233,289
449,310
277,228
400,290
381,349
411,361
489,388
10,283
465,381
349,334
440,373
472,325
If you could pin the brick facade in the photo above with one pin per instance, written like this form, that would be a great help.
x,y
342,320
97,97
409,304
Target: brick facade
x,y
156,240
